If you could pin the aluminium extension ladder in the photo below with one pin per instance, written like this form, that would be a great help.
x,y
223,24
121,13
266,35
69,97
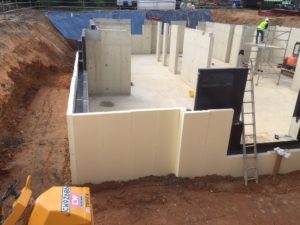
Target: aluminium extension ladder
x,y
249,130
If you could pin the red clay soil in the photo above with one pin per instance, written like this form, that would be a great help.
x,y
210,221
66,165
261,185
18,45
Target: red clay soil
x,y
34,84
36,65
208,200
246,16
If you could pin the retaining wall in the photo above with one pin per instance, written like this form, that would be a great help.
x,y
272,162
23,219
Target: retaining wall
x,y
108,55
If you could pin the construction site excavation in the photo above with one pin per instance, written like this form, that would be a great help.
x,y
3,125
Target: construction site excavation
x,y
143,115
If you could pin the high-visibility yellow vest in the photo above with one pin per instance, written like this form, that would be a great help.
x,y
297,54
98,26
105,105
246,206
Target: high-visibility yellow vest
x,y
262,26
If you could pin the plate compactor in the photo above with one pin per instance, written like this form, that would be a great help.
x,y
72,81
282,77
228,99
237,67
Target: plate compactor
x,y
57,206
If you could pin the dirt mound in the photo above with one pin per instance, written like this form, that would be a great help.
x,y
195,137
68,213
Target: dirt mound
x,y
32,54
204,200
244,16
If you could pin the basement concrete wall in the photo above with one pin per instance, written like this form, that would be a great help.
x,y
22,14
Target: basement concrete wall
x,y
242,35
165,47
159,41
182,25
197,53
119,24
153,34
223,36
108,55
116,146
174,48
142,44
204,137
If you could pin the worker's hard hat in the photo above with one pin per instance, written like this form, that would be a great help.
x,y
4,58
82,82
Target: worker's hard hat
x,y
267,19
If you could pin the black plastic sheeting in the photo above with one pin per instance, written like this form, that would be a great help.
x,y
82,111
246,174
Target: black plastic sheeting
x,y
221,89
70,24
82,96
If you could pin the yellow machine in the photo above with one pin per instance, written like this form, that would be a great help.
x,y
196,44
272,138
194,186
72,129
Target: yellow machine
x,y
57,206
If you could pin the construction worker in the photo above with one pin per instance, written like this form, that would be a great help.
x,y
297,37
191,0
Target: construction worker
x,y
261,28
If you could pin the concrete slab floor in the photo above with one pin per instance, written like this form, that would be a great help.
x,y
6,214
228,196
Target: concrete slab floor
x,y
154,86
274,106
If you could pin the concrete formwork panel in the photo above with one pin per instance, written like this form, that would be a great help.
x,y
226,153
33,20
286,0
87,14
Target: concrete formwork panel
x,y
108,62
165,48
159,38
141,44
174,49
242,35
223,35
197,53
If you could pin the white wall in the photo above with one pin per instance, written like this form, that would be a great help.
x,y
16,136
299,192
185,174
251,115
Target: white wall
x,y
130,144
159,40
153,36
204,139
166,41
141,44
108,55
174,48
197,53
182,25
123,145
242,35
223,35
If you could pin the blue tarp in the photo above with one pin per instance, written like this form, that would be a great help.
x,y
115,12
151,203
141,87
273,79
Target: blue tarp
x,y
70,24
191,16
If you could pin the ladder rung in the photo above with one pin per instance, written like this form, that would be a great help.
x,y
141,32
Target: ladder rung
x,y
249,135
248,146
247,124
249,113
248,90
248,102
251,178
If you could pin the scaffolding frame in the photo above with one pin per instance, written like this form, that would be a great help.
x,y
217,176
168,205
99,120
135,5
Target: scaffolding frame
x,y
268,56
